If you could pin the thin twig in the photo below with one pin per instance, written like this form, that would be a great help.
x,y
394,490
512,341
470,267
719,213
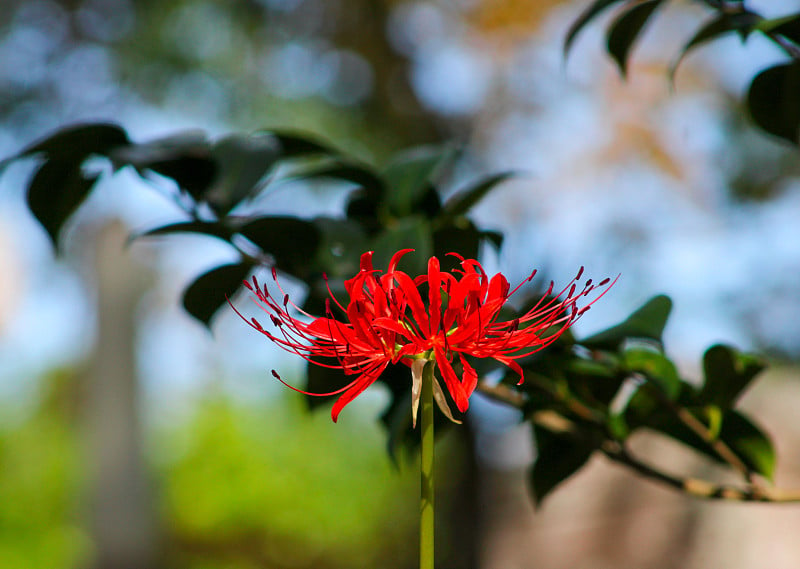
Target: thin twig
x,y
617,452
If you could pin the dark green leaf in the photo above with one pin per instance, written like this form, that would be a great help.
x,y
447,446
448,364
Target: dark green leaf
x,y
749,443
740,22
60,185
294,145
358,174
184,157
787,26
744,438
656,367
242,162
493,237
291,241
464,240
411,174
55,192
774,100
411,232
79,141
212,228
558,457
626,28
464,200
324,380
343,242
586,16
210,291
727,374
647,322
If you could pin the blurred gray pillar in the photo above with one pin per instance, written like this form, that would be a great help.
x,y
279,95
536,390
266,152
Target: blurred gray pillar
x,y
122,517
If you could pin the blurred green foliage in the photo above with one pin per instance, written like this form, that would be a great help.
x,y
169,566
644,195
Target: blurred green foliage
x,y
239,485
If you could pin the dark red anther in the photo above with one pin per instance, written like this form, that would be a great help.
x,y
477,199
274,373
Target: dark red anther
x,y
580,273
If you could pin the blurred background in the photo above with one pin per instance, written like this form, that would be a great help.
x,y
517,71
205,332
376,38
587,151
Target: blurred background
x,y
188,455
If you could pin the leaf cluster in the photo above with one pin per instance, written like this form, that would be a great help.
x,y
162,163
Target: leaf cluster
x,y
584,396
591,395
773,96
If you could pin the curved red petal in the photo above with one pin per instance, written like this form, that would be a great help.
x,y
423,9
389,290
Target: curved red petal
x,y
358,387
451,380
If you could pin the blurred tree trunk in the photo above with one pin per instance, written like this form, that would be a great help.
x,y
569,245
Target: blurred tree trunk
x,y
122,520
363,27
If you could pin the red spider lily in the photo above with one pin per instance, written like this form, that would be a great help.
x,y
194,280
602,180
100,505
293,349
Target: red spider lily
x,y
393,318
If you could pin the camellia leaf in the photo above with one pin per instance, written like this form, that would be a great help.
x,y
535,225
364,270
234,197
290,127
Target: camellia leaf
x,y
774,100
626,28
210,291
740,22
647,322
79,141
291,241
322,379
242,162
744,438
296,144
727,374
411,232
749,443
656,367
358,174
464,200
60,185
787,26
343,242
586,16
57,189
558,456
211,228
184,157
410,174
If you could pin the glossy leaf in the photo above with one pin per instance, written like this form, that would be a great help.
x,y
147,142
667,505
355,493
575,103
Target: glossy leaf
x,y
626,28
410,175
727,374
291,241
743,437
656,367
342,243
787,26
321,379
464,240
749,442
774,100
211,228
359,174
464,200
295,144
646,322
56,190
724,23
592,11
411,232
558,456
184,157
60,185
209,292
79,141
241,164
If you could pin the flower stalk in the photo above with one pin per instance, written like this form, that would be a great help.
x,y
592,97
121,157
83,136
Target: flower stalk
x,y
426,468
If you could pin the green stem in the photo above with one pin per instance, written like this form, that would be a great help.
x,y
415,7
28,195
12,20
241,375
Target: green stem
x,y
426,469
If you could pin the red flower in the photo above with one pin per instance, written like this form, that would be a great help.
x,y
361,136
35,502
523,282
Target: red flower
x,y
393,318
